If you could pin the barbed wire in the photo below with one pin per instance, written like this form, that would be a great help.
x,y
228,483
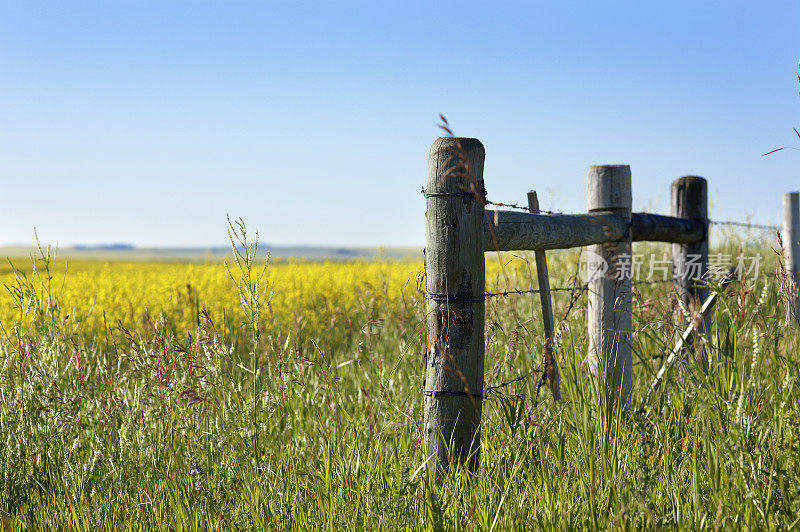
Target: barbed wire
x,y
510,205
440,296
522,207
463,194
445,194
531,291
485,200
497,387
486,392
746,225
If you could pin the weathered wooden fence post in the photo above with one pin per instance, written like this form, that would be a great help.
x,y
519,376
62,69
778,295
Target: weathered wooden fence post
x,y
791,242
454,268
689,199
609,312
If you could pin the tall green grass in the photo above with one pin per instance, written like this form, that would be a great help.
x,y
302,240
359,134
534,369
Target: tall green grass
x,y
134,428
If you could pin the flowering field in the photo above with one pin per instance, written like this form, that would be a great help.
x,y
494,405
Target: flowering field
x,y
93,295
301,297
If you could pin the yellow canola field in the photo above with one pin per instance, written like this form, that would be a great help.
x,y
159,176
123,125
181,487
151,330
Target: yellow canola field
x,y
92,294
97,292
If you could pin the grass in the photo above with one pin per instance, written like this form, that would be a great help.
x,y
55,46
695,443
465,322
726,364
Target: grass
x,y
139,426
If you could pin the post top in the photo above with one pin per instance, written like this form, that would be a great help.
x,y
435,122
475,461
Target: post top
x,y
467,144
689,179
455,167
609,187
533,201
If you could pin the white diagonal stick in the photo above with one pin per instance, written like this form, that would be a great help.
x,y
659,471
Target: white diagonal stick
x,y
708,304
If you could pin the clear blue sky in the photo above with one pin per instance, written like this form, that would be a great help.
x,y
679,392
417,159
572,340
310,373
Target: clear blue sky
x,y
147,122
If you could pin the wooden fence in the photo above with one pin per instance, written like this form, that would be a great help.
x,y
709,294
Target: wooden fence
x,y
459,229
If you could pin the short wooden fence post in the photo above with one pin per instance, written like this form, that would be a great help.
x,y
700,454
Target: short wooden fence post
x,y
609,311
455,287
689,199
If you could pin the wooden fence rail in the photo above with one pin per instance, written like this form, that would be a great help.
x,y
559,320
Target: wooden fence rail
x,y
460,228
518,231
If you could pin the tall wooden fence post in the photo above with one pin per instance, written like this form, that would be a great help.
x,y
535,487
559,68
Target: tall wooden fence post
x,y
791,243
454,268
689,199
609,312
